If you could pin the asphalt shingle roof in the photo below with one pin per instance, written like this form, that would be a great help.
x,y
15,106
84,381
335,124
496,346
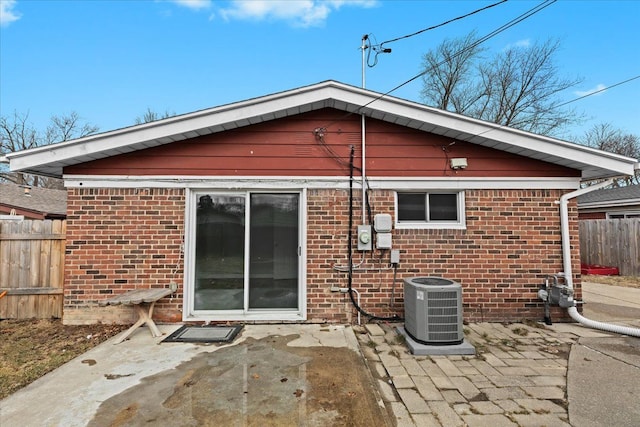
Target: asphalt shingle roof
x,y
44,200
629,192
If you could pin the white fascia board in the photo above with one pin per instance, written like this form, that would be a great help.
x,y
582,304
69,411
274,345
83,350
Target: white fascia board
x,y
512,140
609,203
443,183
592,162
141,136
338,182
520,140
176,128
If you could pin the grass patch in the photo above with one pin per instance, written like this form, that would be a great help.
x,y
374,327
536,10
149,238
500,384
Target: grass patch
x,y
523,332
507,342
625,281
534,324
480,348
31,348
400,339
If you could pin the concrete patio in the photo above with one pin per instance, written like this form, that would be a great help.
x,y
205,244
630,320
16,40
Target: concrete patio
x,y
524,374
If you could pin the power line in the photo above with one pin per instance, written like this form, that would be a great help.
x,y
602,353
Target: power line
x,y
481,40
443,24
379,48
595,92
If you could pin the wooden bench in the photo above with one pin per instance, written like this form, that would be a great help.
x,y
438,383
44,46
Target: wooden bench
x,y
143,301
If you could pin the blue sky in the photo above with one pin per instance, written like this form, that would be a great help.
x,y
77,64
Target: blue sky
x,y
111,60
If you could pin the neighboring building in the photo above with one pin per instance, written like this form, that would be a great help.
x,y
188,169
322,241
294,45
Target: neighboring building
x,y
246,207
33,202
610,203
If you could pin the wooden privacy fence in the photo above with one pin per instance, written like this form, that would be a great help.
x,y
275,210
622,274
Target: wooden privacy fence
x,y
611,242
32,268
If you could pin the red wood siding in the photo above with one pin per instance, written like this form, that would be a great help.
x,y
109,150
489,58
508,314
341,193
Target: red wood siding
x,y
592,215
289,147
28,214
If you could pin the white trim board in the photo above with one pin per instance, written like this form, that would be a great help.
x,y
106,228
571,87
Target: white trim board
x,y
189,313
271,183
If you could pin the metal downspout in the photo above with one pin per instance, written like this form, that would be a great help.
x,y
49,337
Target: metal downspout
x,y
566,262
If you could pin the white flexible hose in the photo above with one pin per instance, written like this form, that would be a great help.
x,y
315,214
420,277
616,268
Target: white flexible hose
x,y
566,260
609,327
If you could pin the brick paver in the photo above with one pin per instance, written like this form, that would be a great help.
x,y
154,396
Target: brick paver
x,y
518,377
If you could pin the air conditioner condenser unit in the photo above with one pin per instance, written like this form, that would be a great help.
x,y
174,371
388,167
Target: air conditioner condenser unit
x,y
433,310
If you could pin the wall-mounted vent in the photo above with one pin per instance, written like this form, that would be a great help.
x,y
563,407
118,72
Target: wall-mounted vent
x,y
433,310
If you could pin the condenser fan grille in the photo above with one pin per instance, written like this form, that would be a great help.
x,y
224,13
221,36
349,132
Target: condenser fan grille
x,y
431,281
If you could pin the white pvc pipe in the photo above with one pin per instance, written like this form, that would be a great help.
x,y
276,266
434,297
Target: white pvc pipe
x,y
564,227
358,295
609,327
566,262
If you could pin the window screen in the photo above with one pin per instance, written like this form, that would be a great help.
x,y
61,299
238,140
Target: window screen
x,y
428,207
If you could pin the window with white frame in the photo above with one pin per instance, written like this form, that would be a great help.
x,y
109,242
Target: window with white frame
x,y
430,209
623,215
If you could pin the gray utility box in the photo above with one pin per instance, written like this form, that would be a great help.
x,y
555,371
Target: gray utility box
x,y
433,310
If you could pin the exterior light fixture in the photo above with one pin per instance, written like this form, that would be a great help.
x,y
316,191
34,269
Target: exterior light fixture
x,y
458,163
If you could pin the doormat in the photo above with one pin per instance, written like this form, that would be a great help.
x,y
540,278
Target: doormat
x,y
204,334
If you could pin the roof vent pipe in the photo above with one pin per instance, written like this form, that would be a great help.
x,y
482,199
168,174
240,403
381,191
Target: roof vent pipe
x,y
566,260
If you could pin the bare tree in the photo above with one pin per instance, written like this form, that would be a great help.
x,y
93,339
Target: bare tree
x,y
452,80
152,116
517,87
67,127
608,138
17,134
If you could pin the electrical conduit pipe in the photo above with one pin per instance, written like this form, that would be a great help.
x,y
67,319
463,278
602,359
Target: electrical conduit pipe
x,y
566,260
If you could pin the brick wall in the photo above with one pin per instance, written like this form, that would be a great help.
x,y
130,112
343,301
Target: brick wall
x,y
121,239
511,242
117,240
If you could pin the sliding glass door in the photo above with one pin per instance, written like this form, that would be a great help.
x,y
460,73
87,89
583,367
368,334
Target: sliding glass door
x,y
247,250
220,252
273,253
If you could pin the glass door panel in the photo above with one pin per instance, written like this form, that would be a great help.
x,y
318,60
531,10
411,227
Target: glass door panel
x,y
273,253
219,266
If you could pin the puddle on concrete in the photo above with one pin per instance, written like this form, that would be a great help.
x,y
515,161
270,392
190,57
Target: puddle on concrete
x,y
254,383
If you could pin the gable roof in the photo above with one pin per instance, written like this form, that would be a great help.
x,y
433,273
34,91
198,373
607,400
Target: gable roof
x,y
607,197
51,159
47,201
